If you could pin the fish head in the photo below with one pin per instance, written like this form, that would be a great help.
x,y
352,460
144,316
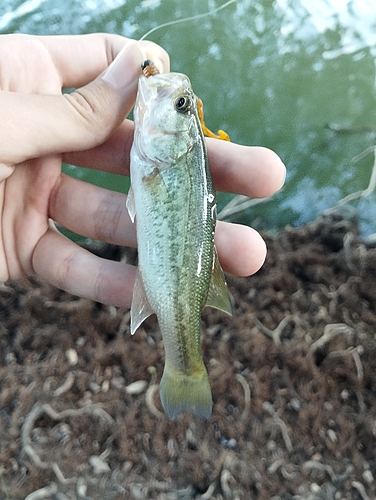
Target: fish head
x,y
166,117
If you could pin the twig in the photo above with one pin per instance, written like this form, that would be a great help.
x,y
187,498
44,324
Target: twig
x,y
358,363
360,373
287,475
238,204
149,399
60,475
363,154
68,305
281,424
247,396
275,334
45,492
92,408
225,479
209,492
272,469
3,486
361,490
314,464
65,387
29,450
339,353
372,182
330,331
29,423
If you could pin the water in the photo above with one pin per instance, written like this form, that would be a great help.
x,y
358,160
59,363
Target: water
x,y
271,73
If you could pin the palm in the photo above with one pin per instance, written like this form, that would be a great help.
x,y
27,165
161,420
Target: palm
x,y
25,193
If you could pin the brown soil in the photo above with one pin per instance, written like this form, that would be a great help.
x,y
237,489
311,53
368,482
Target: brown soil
x,y
293,375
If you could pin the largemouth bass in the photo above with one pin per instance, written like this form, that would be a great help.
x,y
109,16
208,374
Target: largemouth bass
x,y
173,201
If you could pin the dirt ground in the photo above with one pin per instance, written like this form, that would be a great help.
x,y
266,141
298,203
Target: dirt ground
x,y
293,375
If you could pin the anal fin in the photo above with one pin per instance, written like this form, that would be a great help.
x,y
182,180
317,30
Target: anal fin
x,y
218,294
141,309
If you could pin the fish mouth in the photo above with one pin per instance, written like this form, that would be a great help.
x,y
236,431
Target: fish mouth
x,y
154,89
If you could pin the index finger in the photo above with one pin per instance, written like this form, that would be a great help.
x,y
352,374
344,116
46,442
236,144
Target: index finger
x,y
253,171
249,170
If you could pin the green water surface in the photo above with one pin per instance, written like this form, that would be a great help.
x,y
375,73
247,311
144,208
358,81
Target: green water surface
x,y
270,72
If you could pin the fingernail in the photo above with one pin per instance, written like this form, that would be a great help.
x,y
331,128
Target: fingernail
x,y
126,67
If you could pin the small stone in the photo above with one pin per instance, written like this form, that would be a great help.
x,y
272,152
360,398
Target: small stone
x,y
81,488
332,435
328,406
99,465
10,358
295,404
94,387
81,341
271,445
315,488
368,476
72,356
118,382
345,395
136,387
228,443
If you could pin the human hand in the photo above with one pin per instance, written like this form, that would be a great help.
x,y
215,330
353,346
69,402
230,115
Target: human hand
x,y
39,124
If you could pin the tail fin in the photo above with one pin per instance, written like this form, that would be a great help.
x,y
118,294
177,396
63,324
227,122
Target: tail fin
x,y
181,392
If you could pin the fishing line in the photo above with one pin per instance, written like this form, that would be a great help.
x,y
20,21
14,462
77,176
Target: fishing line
x,y
184,19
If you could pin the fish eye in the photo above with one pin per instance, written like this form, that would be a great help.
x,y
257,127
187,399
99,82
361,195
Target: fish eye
x,y
182,104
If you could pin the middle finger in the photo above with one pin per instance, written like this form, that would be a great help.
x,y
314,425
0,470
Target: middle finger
x,y
92,211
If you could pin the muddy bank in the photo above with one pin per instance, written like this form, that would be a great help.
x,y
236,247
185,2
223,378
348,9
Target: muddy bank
x,y
293,375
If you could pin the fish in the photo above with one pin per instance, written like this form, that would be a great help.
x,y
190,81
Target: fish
x,y
173,203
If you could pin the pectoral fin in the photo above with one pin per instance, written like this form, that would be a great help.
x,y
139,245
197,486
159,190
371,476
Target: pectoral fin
x,y
218,295
141,309
130,204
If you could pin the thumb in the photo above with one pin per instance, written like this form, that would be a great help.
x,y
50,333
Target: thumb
x,y
96,109
45,124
